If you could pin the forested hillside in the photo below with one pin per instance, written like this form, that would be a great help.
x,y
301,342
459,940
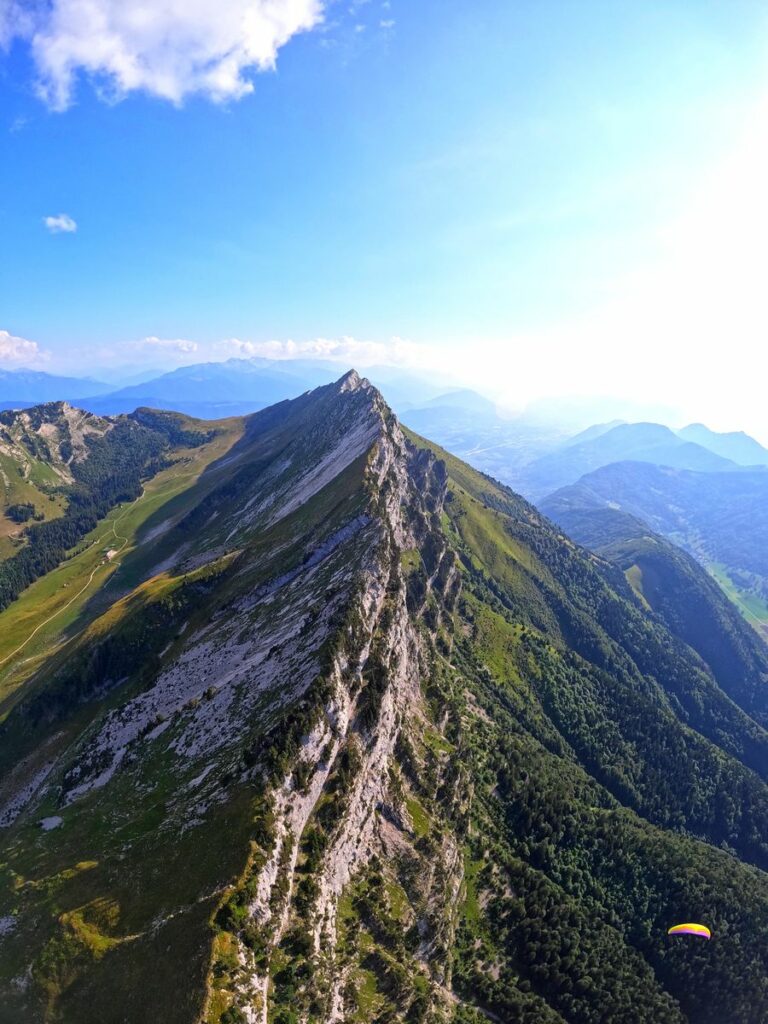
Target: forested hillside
x,y
720,518
72,467
364,737
690,603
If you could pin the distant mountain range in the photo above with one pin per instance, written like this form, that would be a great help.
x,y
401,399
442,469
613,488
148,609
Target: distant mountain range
x,y
236,387
535,451
33,387
736,446
536,457
205,390
704,490
638,442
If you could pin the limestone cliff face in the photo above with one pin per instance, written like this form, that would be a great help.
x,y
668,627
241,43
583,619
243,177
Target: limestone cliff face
x,y
374,698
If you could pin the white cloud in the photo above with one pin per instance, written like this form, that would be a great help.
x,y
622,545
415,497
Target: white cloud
x,y
168,48
18,350
163,354
351,351
176,345
62,223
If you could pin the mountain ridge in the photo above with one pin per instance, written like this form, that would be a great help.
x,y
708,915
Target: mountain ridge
x,y
735,445
651,443
37,386
362,736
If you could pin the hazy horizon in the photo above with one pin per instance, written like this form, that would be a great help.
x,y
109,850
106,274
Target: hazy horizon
x,y
568,413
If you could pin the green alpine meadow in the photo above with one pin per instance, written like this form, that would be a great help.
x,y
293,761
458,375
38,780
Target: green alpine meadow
x,y
303,720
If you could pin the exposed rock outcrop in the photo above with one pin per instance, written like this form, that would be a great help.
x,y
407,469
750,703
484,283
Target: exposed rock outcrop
x,y
385,650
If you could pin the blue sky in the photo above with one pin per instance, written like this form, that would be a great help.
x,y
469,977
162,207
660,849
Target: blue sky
x,y
510,189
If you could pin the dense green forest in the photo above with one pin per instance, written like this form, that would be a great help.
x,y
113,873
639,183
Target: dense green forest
x,y
597,773
685,597
21,512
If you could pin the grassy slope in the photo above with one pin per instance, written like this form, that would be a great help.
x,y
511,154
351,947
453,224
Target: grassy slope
x,y
15,489
111,855
32,469
55,607
719,518
754,610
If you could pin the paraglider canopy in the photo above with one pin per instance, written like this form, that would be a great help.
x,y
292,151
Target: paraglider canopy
x,y
700,930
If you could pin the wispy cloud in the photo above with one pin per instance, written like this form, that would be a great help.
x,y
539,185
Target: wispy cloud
x,y
62,223
181,346
18,350
168,48
352,351
16,19
164,354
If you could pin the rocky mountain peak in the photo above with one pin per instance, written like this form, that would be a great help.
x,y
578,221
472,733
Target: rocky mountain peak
x,y
351,381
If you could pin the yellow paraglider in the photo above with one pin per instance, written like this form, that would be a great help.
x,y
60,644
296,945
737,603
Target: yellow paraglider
x,y
700,930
